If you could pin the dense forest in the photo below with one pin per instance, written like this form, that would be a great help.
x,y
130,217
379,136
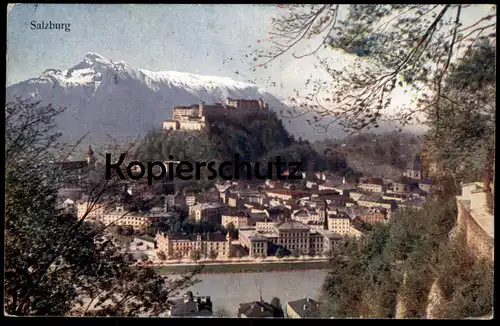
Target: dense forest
x,y
386,153
371,281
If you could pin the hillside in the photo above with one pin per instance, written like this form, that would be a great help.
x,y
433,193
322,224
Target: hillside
x,y
111,99
384,154
255,137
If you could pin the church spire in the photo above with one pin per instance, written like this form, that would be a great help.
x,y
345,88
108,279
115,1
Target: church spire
x,y
90,157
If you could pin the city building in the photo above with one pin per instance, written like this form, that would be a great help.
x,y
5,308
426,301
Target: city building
x,y
413,180
256,243
196,117
339,223
259,309
190,199
211,212
414,169
91,211
234,201
284,194
266,225
305,216
376,201
239,219
372,185
365,214
191,306
119,216
292,235
183,246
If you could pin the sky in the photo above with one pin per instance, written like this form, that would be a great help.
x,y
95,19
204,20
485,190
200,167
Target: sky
x,y
202,39
188,38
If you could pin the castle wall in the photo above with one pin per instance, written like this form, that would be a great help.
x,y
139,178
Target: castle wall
x,y
192,125
474,222
476,238
194,117
171,124
180,113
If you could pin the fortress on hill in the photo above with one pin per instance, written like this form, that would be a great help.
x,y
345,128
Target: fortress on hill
x,y
195,117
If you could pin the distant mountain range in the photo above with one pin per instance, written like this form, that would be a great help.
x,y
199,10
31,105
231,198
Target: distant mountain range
x,y
114,99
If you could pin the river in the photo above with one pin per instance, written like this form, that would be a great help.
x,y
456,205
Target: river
x,y
228,290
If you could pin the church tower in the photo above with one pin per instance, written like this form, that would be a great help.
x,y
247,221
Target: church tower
x,y
414,170
90,158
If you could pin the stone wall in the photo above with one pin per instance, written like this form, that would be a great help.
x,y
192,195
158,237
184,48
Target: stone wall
x,y
475,237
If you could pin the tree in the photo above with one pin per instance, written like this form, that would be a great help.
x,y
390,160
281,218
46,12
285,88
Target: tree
x,y
177,255
463,143
390,47
161,255
232,231
213,255
296,253
276,303
54,260
280,253
221,313
195,255
262,256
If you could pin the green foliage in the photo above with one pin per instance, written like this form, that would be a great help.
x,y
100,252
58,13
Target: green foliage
x,y
232,230
461,141
280,253
466,283
161,255
410,47
366,274
384,154
213,254
256,139
195,255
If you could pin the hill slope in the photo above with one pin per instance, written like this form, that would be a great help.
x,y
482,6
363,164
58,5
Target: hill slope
x,y
254,137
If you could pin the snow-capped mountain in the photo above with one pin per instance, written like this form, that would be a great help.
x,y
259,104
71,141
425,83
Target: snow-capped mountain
x,y
112,98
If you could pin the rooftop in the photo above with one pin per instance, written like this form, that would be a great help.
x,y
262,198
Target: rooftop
x,y
292,225
212,205
259,309
374,181
369,198
329,234
305,307
215,236
287,192
191,306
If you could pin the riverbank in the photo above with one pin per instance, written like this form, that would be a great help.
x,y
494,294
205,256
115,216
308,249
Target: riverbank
x,y
245,267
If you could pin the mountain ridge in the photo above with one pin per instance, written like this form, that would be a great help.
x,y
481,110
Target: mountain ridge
x,y
111,98
107,98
